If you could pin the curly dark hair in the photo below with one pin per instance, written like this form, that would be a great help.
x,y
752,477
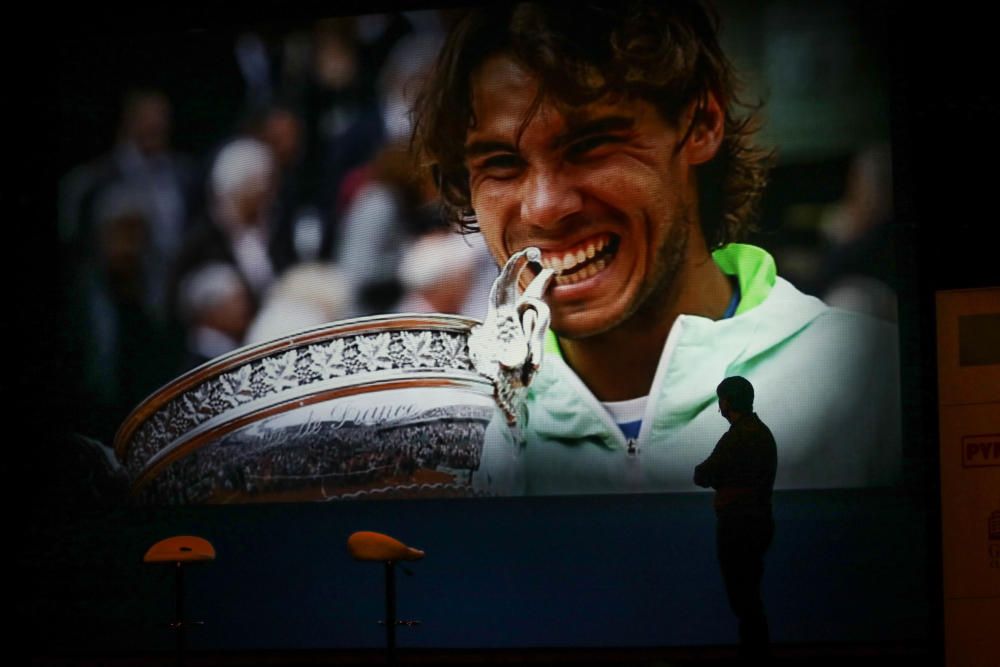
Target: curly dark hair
x,y
666,53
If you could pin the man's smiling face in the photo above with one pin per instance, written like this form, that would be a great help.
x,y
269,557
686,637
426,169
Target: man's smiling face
x,y
602,190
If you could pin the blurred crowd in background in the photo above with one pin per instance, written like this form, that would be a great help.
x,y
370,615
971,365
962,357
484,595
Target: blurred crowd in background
x,y
309,209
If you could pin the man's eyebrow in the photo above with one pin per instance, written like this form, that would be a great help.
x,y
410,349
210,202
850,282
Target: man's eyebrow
x,y
578,128
477,148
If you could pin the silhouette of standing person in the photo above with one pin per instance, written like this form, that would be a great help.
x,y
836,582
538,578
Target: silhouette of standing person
x,y
741,469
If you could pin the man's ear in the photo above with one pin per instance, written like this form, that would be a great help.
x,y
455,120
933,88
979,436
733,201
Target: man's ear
x,y
705,127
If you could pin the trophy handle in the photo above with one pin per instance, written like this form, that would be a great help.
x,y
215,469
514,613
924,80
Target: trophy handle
x,y
508,347
504,289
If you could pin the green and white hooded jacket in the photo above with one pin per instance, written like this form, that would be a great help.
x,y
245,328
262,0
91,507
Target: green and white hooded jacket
x,y
826,383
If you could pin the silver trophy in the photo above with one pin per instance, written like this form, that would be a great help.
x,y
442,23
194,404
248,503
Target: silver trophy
x,y
388,406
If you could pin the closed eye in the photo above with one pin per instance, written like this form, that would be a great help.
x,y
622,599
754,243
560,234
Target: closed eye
x,y
585,146
504,161
499,165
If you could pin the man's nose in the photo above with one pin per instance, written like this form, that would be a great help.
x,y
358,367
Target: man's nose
x,y
549,196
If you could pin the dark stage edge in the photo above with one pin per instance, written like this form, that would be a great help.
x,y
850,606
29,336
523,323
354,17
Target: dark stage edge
x,y
782,656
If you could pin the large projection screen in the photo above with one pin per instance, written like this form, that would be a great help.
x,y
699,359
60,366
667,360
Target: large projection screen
x,y
216,242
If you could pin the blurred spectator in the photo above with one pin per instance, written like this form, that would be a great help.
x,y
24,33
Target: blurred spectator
x,y
307,295
484,272
377,35
385,203
391,207
281,129
143,162
123,239
342,118
298,228
401,78
240,224
398,83
118,330
859,269
216,308
379,109
436,271
254,62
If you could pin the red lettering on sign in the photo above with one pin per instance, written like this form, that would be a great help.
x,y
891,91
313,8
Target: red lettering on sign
x,y
981,450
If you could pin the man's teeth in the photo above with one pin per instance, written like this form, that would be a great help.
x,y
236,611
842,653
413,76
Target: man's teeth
x,y
569,260
582,274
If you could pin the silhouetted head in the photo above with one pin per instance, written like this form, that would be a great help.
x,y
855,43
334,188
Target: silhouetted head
x,y
735,396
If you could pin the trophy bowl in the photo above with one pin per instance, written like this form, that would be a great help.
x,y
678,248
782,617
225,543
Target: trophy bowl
x,y
383,406
388,406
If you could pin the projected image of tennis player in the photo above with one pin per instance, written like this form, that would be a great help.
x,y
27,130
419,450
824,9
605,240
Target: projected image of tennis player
x,y
612,137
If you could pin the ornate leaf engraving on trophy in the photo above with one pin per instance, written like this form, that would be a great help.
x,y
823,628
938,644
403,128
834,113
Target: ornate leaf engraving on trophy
x,y
377,407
